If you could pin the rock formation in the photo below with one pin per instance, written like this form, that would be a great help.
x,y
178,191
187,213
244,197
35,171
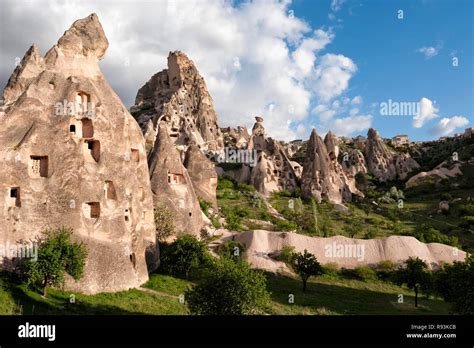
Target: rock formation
x,y
172,185
236,138
382,163
71,155
179,97
273,171
323,176
260,245
202,173
353,162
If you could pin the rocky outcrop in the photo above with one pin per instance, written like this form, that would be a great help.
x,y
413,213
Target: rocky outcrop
x,y
343,251
202,173
71,155
172,185
353,162
273,171
384,164
179,97
436,175
323,176
236,138
380,161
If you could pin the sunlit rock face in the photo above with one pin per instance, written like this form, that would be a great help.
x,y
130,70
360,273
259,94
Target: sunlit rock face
x,y
178,96
72,155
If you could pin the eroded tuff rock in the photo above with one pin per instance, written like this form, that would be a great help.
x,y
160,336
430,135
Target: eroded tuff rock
x,y
202,173
323,176
273,171
384,164
236,138
172,185
72,155
179,97
354,163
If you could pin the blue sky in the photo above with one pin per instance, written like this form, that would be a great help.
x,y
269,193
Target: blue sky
x,y
389,65
300,64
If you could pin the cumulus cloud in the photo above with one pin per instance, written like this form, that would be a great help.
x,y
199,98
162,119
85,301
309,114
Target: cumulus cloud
x,y
429,52
332,75
350,125
447,126
251,54
336,5
426,112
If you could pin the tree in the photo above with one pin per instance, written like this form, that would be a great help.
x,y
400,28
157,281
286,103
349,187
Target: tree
x,y
229,288
455,283
231,249
415,275
164,222
184,254
57,255
306,265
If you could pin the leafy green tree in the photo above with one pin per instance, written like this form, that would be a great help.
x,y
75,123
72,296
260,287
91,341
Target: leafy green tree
x,y
231,249
306,265
185,254
229,288
455,283
415,275
164,222
57,255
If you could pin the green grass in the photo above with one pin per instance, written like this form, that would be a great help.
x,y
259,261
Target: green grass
x,y
326,295
21,300
333,296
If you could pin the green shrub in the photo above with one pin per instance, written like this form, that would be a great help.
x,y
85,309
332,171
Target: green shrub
x,y
231,249
284,225
229,288
365,273
225,182
184,255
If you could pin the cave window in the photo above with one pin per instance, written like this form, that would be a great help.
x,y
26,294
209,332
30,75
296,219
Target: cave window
x,y
94,149
174,178
110,192
82,101
190,214
15,196
39,166
94,210
87,128
135,155
72,129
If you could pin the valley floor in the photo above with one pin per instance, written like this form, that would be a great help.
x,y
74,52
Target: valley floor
x,y
327,295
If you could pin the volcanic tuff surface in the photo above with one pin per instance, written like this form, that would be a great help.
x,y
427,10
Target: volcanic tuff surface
x,y
72,155
323,176
179,97
384,164
273,170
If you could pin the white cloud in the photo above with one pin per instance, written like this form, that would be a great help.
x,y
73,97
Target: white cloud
x,y
337,4
332,75
427,111
447,126
354,111
356,100
350,125
251,54
429,52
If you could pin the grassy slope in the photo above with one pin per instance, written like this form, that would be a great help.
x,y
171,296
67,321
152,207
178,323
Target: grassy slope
x,y
325,295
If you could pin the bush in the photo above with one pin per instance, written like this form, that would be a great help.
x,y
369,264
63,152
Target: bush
x,y
331,269
57,255
370,234
364,273
225,182
385,269
428,234
231,249
164,222
229,288
284,225
285,254
184,255
415,275
205,206
455,282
